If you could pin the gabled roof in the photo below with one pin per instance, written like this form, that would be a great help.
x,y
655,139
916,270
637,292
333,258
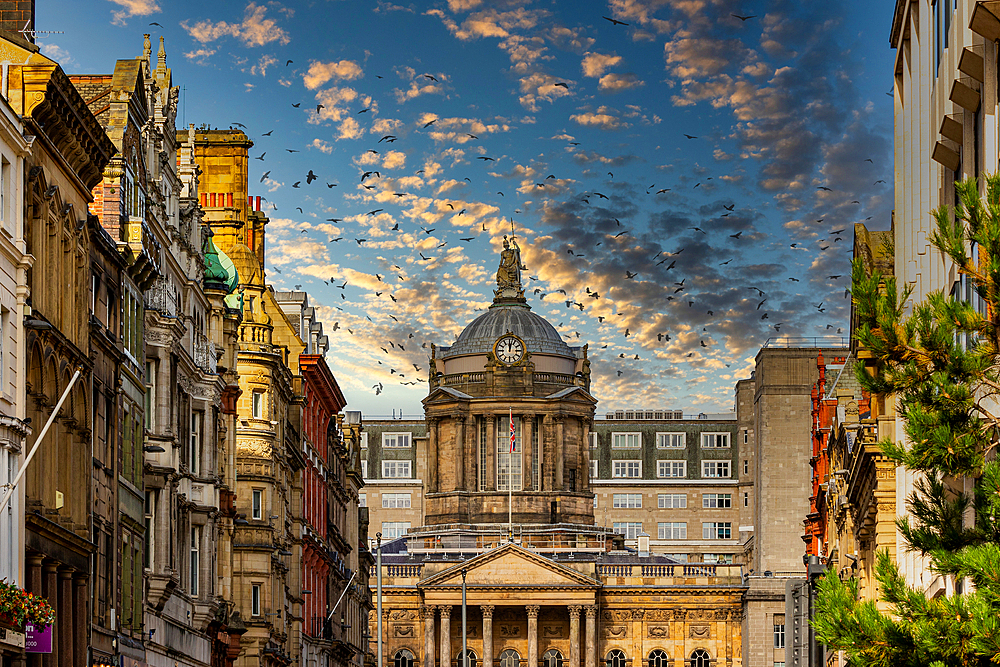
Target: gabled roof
x,y
510,567
563,393
449,394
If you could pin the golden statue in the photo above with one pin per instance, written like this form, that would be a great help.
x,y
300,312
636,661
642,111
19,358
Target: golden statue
x,y
509,272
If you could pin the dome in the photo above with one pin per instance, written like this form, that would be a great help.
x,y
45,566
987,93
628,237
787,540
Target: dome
x,y
245,262
538,335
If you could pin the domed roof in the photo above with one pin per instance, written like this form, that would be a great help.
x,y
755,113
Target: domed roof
x,y
538,335
245,262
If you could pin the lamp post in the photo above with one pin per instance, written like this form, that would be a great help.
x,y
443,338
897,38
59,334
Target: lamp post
x,y
465,655
378,593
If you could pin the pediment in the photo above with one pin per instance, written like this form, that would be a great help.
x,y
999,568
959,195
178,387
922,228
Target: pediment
x,y
446,395
573,393
510,566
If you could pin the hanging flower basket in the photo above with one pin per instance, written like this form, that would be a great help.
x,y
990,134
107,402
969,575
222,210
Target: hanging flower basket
x,y
17,607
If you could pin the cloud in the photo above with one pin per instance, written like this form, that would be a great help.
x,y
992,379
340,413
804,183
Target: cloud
x,y
130,8
394,160
595,64
320,72
615,83
200,56
321,145
254,30
57,53
600,119
263,64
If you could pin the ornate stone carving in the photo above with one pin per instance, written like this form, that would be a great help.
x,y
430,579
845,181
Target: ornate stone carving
x,y
638,614
402,615
615,631
658,632
552,631
445,611
403,631
426,611
591,610
510,630
532,610
699,631
487,611
574,611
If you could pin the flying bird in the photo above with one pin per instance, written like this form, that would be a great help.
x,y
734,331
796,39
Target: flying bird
x,y
614,21
266,174
743,18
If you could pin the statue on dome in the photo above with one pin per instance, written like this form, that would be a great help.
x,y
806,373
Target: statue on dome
x,y
509,273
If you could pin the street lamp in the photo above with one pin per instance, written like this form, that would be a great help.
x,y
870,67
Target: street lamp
x,y
465,650
378,592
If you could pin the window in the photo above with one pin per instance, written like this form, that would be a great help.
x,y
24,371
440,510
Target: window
x,y
149,405
779,664
746,436
593,470
362,500
470,658
671,531
364,441
779,631
393,529
746,467
668,501
508,462
399,469
194,454
510,658
593,444
626,440
615,658
132,315
552,658
717,500
658,658
714,440
717,530
255,600
700,658
721,559
671,440
671,468
364,469
746,499
396,500
715,468
403,658
195,559
627,500
4,199
630,529
257,504
627,468
395,440
258,405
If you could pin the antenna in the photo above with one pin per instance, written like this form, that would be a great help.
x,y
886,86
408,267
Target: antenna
x,y
25,32
512,229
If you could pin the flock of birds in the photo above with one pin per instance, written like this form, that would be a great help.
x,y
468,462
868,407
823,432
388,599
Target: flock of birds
x,y
398,353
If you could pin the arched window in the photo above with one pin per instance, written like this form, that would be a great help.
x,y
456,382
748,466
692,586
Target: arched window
x,y
470,658
658,658
403,658
616,658
552,658
509,658
700,658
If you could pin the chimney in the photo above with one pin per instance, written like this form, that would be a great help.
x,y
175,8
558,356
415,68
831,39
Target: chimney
x,y
18,15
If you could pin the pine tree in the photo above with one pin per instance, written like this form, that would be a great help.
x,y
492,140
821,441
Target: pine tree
x,y
941,364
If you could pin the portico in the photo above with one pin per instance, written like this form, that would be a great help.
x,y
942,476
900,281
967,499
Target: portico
x,y
521,590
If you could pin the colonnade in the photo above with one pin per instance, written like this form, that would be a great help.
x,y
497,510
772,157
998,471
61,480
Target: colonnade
x,y
440,643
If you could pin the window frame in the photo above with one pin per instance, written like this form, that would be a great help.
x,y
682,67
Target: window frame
x,y
715,464
628,464
632,501
726,435
396,464
630,527
716,498
626,435
662,497
660,463
713,530
257,504
393,501
395,436
257,404
255,600
194,576
660,438
669,527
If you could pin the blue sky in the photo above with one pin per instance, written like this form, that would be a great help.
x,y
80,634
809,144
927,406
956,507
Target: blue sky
x,y
729,235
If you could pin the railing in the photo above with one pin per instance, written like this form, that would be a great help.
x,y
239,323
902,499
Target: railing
x,y
204,353
730,574
162,297
553,378
408,570
319,628
464,378
808,341
614,570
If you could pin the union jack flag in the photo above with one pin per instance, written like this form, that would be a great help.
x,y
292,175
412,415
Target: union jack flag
x,y
513,436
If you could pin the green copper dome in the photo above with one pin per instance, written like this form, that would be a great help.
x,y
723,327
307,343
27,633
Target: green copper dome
x,y
216,276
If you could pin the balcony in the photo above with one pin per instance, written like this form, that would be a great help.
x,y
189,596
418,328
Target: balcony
x,y
204,353
162,297
681,574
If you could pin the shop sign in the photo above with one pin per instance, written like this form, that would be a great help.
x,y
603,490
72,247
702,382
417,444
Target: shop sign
x,y
11,638
37,641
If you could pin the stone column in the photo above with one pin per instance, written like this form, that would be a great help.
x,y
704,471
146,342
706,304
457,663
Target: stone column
x,y
63,641
432,455
445,635
50,589
560,452
532,610
585,457
491,451
427,614
591,657
527,452
574,635
546,466
471,452
81,617
487,635
459,430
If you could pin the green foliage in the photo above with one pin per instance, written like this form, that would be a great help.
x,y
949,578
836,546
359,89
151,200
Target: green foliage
x,y
941,365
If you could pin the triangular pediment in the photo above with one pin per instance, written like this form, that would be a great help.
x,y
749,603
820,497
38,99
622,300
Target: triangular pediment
x,y
446,395
573,393
510,566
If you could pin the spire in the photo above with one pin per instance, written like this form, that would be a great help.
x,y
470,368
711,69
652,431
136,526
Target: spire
x,y
161,59
147,48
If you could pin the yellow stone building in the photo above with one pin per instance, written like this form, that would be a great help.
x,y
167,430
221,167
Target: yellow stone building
x,y
513,517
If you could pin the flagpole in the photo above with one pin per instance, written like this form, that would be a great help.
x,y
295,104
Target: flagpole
x,y
510,481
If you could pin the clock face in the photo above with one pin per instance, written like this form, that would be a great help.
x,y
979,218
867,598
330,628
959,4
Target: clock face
x,y
509,350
